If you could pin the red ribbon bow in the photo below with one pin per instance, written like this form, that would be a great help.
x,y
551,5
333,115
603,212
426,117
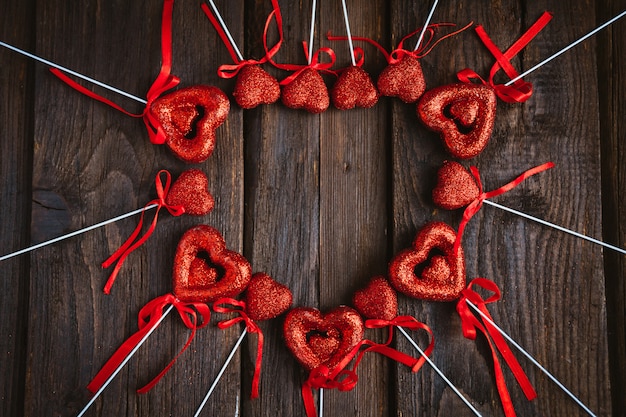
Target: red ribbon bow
x,y
239,307
475,205
520,91
230,71
128,246
315,64
496,341
164,81
149,316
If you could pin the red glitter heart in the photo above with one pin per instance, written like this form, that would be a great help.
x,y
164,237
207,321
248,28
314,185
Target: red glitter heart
x,y
443,274
189,117
205,270
322,339
378,300
307,91
354,88
403,79
265,298
254,86
190,190
463,114
456,187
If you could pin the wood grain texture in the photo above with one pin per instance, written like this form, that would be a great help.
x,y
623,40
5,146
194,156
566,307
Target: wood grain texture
x,y
319,202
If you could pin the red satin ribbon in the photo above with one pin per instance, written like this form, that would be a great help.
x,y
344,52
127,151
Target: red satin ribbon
x,y
230,71
520,91
149,315
164,81
475,205
120,255
496,341
315,64
239,307
397,54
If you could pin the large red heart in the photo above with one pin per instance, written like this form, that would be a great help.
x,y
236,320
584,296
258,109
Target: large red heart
x,y
265,298
463,115
403,79
378,300
254,86
307,91
322,339
354,88
205,270
456,186
189,118
442,275
191,191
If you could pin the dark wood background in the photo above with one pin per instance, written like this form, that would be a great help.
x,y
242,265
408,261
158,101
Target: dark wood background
x,y
320,202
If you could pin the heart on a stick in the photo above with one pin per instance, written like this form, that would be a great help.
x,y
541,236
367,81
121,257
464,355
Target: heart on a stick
x,y
378,300
354,88
205,270
265,298
255,86
456,186
189,118
430,269
403,79
462,114
322,339
307,91
191,191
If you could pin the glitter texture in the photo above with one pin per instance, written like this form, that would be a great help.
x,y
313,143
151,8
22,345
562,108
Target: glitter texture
x,y
403,79
189,117
316,339
265,298
221,273
190,190
378,300
307,91
254,86
354,88
456,186
443,273
463,114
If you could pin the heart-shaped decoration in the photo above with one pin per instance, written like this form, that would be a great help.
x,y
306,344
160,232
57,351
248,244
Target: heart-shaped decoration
x,y
456,186
378,300
307,91
442,276
403,79
354,88
255,86
322,339
191,191
189,118
205,270
463,115
265,298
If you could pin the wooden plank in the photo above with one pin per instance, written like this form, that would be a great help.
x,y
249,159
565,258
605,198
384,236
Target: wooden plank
x,y
15,199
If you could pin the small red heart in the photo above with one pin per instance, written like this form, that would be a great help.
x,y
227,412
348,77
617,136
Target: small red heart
x,y
403,79
265,298
205,270
462,114
254,86
354,88
456,187
307,91
322,339
378,300
189,118
191,191
443,274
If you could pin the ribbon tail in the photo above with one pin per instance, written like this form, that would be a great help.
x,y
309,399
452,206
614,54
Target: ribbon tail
x,y
257,368
309,402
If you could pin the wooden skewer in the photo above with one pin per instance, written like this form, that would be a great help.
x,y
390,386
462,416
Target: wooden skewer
x,y
223,24
430,15
312,30
345,18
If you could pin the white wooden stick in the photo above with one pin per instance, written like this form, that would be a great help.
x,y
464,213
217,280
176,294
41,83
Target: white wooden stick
x,y
430,15
77,232
345,18
226,31
312,30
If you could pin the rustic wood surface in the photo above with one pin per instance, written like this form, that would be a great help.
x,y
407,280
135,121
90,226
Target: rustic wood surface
x,y
320,202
